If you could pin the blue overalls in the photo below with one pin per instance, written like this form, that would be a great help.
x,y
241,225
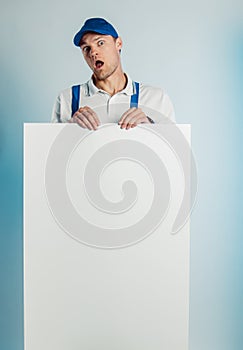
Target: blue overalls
x,y
76,97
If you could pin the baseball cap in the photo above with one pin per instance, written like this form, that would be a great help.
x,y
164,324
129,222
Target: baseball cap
x,y
95,25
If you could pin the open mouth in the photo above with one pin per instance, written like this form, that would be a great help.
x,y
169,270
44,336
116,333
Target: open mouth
x,y
98,64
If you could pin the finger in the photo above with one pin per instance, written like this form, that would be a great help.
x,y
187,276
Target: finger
x,y
88,119
138,119
94,115
132,116
87,123
80,122
83,120
88,113
127,119
131,125
130,110
127,114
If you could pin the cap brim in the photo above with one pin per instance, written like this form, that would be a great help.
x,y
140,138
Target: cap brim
x,y
77,38
80,34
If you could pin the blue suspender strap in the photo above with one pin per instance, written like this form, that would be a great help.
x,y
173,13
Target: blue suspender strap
x,y
75,98
135,96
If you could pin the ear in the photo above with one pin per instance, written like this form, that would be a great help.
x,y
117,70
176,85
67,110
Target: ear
x,y
119,43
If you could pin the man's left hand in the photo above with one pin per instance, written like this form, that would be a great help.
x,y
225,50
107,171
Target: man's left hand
x,y
132,118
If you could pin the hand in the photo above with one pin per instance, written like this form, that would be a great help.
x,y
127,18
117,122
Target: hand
x,y
86,118
132,118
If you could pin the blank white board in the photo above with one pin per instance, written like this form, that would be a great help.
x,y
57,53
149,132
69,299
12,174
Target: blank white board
x,y
106,240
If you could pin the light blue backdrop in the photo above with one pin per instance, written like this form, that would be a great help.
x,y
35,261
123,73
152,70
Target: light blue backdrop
x,y
193,49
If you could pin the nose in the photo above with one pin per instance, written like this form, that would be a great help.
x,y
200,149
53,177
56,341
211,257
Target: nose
x,y
93,52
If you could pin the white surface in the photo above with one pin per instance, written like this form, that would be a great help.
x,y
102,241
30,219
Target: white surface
x,y
81,297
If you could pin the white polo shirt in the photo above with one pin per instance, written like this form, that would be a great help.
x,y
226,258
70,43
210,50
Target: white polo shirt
x,y
154,102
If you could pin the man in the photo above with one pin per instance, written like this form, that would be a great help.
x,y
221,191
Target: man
x,y
110,96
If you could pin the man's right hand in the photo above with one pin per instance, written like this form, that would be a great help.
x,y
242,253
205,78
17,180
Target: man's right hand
x,y
86,118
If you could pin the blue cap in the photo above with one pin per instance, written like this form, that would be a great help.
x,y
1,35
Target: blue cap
x,y
95,25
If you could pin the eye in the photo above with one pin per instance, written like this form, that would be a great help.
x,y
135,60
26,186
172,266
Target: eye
x,y
101,42
86,49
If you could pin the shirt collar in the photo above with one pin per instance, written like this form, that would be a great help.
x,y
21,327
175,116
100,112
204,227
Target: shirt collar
x,y
128,90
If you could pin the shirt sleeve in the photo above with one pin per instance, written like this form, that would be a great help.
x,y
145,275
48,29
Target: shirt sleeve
x,y
62,110
156,104
167,108
56,111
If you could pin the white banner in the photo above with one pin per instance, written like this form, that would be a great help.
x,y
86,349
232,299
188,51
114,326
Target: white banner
x,y
106,237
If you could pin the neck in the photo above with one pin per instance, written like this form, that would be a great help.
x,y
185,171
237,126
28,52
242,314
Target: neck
x,y
112,84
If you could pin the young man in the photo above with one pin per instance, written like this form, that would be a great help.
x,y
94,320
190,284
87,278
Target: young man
x,y
110,96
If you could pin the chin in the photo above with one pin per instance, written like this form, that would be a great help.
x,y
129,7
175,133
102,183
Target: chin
x,y
102,76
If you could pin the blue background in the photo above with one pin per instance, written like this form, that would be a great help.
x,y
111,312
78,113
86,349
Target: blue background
x,y
193,49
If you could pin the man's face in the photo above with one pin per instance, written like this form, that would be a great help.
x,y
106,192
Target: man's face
x,y
101,52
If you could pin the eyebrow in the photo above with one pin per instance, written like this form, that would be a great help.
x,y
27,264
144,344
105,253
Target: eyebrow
x,y
95,39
